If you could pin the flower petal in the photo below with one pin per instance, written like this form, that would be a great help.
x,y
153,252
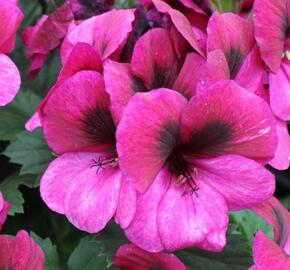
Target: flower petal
x,y
241,181
145,134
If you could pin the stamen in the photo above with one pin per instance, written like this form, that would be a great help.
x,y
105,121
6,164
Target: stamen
x,y
187,181
102,162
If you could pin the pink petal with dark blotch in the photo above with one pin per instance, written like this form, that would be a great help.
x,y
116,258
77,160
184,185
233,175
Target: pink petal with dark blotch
x,y
141,148
268,255
279,91
228,119
9,80
226,173
20,253
270,34
186,220
189,75
4,208
73,115
143,230
154,60
281,159
233,35
130,256
10,17
278,216
181,23
107,32
120,84
126,205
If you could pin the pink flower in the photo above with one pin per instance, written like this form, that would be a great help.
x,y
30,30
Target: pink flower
x,y
190,160
156,62
45,36
232,52
274,40
84,182
131,257
20,253
11,18
107,32
269,254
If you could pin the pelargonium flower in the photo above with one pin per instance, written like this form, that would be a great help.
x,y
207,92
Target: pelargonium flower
x,y
107,32
232,52
83,9
156,62
269,254
20,253
45,36
190,159
274,41
131,257
84,182
11,17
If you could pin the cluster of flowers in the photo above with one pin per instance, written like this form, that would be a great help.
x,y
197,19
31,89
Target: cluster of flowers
x,y
163,118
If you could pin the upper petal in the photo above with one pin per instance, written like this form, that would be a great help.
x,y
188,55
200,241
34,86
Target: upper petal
x,y
147,133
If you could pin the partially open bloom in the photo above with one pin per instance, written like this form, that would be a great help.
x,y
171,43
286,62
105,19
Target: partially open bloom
x,y
21,252
273,38
269,254
191,158
11,17
131,257
84,182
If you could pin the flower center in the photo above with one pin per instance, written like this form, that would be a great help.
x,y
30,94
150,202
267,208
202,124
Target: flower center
x,y
104,162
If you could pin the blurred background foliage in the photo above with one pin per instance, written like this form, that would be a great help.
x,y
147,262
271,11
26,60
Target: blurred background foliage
x,y
24,157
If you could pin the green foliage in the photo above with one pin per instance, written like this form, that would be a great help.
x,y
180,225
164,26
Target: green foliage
x,y
10,190
31,151
224,5
234,257
51,255
124,4
248,223
14,116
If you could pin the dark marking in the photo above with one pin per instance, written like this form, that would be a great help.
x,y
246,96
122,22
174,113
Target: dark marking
x,y
90,8
99,126
235,59
210,140
169,138
138,85
163,77
282,227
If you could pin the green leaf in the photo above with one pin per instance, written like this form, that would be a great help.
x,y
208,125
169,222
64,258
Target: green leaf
x,y
234,257
9,188
124,4
224,5
51,255
88,255
14,116
249,223
31,151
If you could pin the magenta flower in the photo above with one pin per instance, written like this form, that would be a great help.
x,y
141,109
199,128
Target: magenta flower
x,y
131,257
191,158
45,36
232,53
20,253
269,254
151,68
11,17
4,208
107,32
274,41
84,182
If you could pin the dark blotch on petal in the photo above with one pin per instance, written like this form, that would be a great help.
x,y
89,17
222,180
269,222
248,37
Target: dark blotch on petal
x,y
138,85
99,126
169,138
210,140
235,59
282,227
163,77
